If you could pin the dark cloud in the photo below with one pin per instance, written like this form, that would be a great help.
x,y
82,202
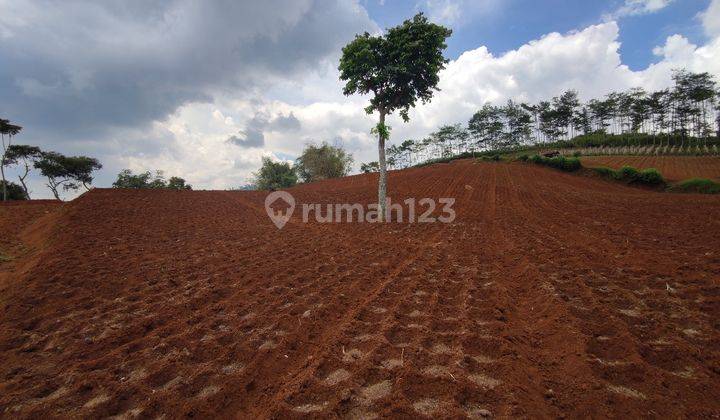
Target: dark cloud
x,y
284,123
250,138
80,69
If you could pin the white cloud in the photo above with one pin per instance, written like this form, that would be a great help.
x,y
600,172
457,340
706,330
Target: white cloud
x,y
638,7
711,19
457,12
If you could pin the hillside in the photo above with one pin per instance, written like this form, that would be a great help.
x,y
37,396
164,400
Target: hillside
x,y
550,294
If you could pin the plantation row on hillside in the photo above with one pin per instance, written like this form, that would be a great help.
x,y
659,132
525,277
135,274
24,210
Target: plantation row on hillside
x,y
683,119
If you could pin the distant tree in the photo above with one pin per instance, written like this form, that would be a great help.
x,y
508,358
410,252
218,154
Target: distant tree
x,y
68,172
14,191
564,108
517,121
9,130
486,127
323,162
274,175
177,183
146,180
27,155
399,68
369,167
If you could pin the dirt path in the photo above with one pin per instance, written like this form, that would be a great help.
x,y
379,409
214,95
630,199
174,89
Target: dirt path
x,y
549,295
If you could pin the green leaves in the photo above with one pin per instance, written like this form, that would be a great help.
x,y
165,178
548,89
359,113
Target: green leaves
x,y
399,68
381,130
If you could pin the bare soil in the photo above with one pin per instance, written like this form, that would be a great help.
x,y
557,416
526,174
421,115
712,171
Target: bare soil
x,y
549,295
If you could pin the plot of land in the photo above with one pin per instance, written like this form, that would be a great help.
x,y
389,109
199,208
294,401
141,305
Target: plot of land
x,y
550,294
673,168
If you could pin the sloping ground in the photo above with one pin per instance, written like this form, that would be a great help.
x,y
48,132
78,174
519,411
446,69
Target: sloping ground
x,y
550,294
673,168
14,216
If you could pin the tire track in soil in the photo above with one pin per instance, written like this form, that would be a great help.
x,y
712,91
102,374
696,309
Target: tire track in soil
x,y
299,379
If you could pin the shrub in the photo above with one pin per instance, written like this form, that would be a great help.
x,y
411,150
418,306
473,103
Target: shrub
x,y
697,185
558,162
523,158
629,173
577,153
602,170
650,176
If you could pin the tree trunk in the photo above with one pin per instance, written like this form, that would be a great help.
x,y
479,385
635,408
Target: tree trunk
x,y
2,168
22,180
382,182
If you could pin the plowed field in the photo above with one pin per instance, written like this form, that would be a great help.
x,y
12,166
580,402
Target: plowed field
x,y
673,168
550,294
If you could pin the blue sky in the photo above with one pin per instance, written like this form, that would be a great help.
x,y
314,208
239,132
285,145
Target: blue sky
x,y
505,25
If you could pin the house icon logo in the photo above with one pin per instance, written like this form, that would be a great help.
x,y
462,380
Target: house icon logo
x,y
279,217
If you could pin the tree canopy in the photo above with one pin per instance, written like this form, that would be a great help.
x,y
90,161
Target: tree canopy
x,y
6,129
27,155
68,172
274,175
148,180
322,162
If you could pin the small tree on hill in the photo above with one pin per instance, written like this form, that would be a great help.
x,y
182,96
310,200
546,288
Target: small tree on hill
x,y
177,183
323,162
68,172
399,68
9,130
274,175
27,155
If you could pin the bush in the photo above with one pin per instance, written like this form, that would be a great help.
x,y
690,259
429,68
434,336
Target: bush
x,y
523,158
607,172
650,176
697,185
14,191
629,173
558,162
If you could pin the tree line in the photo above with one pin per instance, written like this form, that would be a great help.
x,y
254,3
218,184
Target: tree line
x,y
689,109
62,173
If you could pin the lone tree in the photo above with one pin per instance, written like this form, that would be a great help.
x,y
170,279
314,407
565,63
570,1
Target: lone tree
x,y
399,68
68,172
9,130
323,162
274,175
27,155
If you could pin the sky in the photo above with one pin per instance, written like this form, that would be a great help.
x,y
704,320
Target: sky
x,y
205,89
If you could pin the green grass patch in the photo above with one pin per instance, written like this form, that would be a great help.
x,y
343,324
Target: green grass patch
x,y
5,258
697,185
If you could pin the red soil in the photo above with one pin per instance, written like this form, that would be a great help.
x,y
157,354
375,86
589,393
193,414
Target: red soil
x,y
673,168
551,294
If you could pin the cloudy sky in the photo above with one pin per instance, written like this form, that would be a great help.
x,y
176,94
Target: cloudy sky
x,y
205,89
